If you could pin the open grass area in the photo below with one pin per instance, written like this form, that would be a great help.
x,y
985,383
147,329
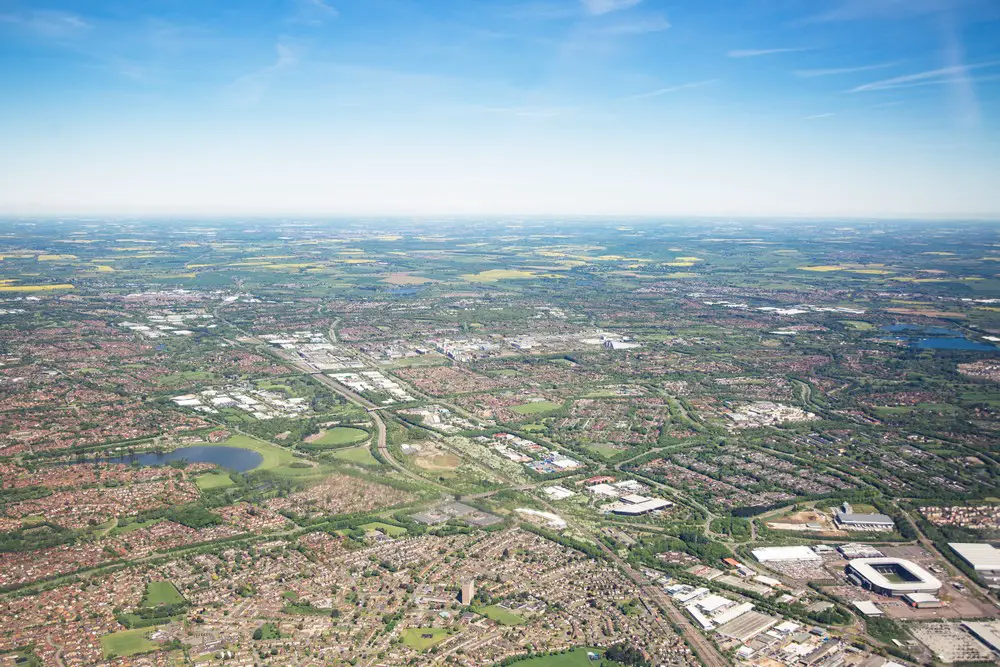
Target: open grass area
x,y
267,631
536,407
388,529
573,658
136,525
161,592
858,325
429,359
500,615
422,639
127,642
360,455
607,451
340,435
213,480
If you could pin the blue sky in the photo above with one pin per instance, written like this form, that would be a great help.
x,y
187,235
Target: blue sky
x,y
607,107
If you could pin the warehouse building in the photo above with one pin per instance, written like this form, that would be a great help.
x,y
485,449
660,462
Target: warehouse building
x,y
983,558
846,519
893,577
776,554
636,505
922,601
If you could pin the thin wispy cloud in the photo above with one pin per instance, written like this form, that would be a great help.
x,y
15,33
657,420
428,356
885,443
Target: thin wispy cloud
x,y
314,12
540,11
599,7
858,10
756,53
668,90
934,77
819,116
528,112
640,26
47,23
837,71
964,100
252,87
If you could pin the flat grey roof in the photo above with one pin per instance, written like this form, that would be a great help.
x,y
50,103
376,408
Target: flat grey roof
x,y
865,518
979,556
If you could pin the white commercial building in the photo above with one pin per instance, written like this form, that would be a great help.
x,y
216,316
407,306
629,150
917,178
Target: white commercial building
x,y
766,554
983,558
634,505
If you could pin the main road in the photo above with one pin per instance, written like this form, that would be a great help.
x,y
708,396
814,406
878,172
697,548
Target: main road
x,y
381,439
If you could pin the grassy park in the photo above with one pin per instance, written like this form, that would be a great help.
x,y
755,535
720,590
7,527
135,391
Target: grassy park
x,y
127,642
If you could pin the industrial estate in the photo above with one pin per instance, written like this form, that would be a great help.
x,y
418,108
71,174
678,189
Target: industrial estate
x,y
499,442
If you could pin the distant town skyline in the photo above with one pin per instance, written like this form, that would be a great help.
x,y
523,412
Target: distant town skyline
x,y
837,108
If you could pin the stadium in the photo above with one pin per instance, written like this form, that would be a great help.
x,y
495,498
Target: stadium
x,y
893,577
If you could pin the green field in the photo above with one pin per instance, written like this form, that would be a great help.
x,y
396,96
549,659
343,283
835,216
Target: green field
x,y
341,435
268,631
574,658
161,592
858,325
536,407
500,615
430,359
357,455
606,451
127,642
390,530
128,528
415,637
214,480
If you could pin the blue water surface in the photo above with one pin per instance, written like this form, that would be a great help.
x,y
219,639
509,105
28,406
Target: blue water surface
x,y
236,459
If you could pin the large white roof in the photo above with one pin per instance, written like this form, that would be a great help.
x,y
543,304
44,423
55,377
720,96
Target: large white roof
x,y
927,583
765,554
979,556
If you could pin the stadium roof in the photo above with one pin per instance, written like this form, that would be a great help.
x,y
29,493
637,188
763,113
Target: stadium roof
x,y
979,556
926,582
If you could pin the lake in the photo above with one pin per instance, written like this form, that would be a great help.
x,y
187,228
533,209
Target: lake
x,y
942,338
236,459
953,344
